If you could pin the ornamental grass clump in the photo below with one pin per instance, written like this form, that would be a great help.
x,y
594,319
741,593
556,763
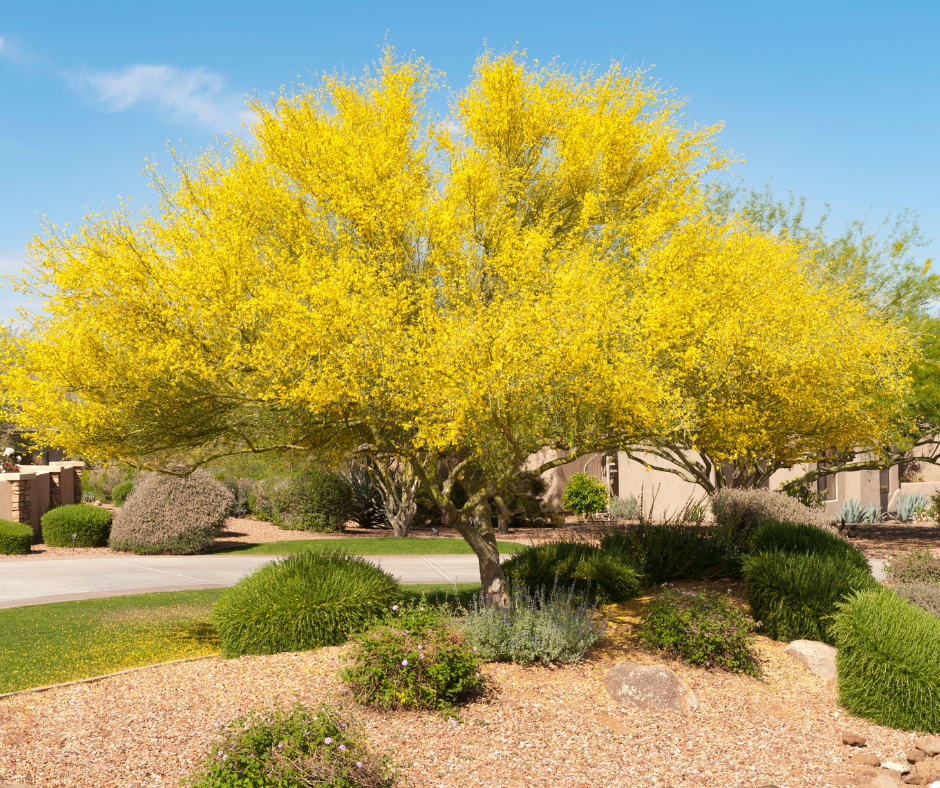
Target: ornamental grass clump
x,y
794,595
740,512
302,602
888,661
90,524
540,626
416,659
298,747
800,538
171,514
700,629
15,538
607,576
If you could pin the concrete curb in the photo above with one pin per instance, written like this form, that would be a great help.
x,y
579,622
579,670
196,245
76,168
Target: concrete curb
x,y
100,678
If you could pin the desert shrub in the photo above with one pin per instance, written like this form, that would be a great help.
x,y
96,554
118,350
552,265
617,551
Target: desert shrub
x,y
366,510
121,491
916,566
797,538
313,500
888,661
794,595
241,490
302,602
741,511
417,659
677,552
624,508
701,629
90,524
263,495
102,480
541,626
910,506
16,538
606,576
172,514
291,748
926,596
585,495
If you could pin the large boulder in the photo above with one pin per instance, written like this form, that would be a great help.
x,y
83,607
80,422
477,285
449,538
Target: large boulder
x,y
649,687
818,658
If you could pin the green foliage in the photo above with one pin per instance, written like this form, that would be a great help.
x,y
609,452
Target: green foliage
x,y
677,552
916,566
741,511
15,538
241,490
541,626
926,596
909,506
376,545
121,491
852,511
291,748
417,659
798,538
313,500
366,510
585,495
526,505
607,576
701,629
172,514
302,602
794,595
91,524
102,480
888,661
620,509
805,493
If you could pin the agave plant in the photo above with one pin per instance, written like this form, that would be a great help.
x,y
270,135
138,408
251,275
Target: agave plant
x,y
851,511
871,514
909,506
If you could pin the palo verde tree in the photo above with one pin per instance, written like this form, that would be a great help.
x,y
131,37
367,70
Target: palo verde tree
x,y
455,298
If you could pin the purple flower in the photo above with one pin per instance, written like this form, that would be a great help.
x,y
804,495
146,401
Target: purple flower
x,y
404,662
394,607
474,648
327,740
422,656
420,647
359,764
453,722
342,747
225,757
342,725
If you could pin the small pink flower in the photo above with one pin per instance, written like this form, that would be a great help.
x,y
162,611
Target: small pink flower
x,y
359,764
404,662
327,740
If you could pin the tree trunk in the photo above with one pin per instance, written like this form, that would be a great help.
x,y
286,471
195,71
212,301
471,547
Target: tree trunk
x,y
502,516
477,530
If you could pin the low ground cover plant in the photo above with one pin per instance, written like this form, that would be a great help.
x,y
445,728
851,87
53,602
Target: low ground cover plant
x,y
90,524
916,566
170,514
926,596
416,659
888,661
302,602
801,538
542,626
313,500
15,538
794,595
607,576
701,629
671,552
298,747
742,511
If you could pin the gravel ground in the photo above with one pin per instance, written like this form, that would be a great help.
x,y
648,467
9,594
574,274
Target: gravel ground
x,y
537,727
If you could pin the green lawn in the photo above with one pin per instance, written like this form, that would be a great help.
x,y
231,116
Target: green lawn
x,y
376,545
66,641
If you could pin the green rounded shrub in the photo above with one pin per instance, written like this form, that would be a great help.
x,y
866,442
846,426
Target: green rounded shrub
x,y
313,500
794,595
171,514
801,538
281,748
608,576
415,660
585,495
302,602
701,629
888,661
121,491
15,538
91,524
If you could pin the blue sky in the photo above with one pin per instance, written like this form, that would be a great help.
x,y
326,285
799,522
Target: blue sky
x,y
834,100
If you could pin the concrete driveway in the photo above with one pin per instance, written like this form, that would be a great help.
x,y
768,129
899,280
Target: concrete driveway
x,y
63,579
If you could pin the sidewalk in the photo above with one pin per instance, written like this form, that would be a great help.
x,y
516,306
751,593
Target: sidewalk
x,y
61,580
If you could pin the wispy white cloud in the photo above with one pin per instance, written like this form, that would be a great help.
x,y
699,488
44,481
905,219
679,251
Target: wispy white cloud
x,y
12,50
194,96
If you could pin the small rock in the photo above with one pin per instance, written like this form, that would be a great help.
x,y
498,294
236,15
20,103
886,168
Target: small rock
x,y
926,768
862,770
818,658
911,779
934,784
929,746
649,687
838,779
865,758
898,767
894,774
915,755
883,781
854,739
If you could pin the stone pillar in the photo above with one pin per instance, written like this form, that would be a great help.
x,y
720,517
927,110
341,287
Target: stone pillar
x,y
55,489
21,500
77,483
